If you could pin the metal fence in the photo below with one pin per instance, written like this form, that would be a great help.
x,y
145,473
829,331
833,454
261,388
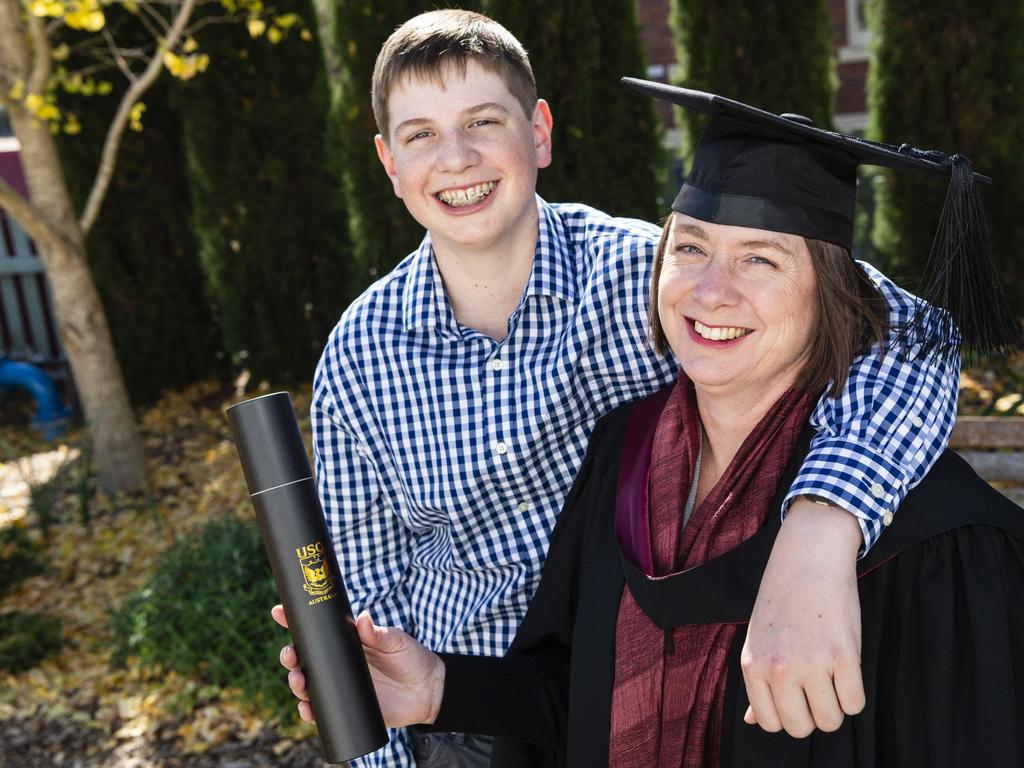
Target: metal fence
x,y
28,330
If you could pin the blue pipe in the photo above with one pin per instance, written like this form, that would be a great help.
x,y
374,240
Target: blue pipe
x,y
51,415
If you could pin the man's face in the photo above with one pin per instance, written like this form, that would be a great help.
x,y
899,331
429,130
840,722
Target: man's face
x,y
463,157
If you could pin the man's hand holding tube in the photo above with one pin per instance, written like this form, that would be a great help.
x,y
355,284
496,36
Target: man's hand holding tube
x,y
408,679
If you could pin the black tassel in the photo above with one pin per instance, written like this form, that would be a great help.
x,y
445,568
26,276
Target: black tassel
x,y
960,282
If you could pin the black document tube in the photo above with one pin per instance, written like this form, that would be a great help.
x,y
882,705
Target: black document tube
x,y
308,580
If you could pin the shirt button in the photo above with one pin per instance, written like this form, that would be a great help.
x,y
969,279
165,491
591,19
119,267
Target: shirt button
x,y
887,518
877,491
501,448
917,422
524,506
496,364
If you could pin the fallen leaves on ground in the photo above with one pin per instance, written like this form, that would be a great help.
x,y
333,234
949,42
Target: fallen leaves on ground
x,y
995,388
195,478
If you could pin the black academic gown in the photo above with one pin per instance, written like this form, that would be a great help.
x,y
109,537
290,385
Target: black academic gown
x,y
943,634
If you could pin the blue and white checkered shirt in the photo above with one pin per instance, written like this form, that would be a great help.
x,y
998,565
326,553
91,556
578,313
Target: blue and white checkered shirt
x,y
443,456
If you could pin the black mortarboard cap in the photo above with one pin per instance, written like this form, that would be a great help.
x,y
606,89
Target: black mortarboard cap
x,y
753,168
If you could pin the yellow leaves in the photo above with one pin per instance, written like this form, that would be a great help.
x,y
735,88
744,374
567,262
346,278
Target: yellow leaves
x,y
135,116
173,63
131,6
52,8
60,52
186,67
104,87
42,107
86,16
279,26
77,14
17,91
71,125
1011,403
190,45
256,27
287,20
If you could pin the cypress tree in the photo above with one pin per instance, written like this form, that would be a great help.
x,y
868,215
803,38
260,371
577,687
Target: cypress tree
x,y
266,209
607,149
381,231
141,249
777,56
949,76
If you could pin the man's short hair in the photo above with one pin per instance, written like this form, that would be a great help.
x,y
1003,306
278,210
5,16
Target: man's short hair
x,y
426,44
852,315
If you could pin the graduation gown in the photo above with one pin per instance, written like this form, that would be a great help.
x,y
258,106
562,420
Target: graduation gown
x,y
942,605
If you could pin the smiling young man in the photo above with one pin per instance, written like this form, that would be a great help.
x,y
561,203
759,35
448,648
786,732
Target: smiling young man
x,y
454,399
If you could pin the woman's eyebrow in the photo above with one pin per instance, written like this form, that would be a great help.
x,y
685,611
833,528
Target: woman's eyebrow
x,y
772,244
691,229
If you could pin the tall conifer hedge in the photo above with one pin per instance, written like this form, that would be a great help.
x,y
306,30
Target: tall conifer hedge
x,y
607,148
141,249
381,230
777,56
949,76
266,209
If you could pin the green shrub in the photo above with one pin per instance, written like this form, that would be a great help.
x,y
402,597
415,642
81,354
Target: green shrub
x,y
206,612
26,639
19,557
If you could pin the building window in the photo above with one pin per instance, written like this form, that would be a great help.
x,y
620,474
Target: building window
x,y
857,34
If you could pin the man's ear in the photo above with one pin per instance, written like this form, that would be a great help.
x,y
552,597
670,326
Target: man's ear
x,y
542,122
388,161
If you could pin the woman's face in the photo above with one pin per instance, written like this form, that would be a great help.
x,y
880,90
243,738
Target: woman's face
x,y
738,305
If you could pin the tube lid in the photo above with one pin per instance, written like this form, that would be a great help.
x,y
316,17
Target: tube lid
x,y
269,443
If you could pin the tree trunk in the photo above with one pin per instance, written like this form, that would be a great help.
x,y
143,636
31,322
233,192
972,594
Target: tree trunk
x,y
116,448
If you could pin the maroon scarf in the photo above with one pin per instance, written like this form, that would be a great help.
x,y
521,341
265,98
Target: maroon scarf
x,y
670,685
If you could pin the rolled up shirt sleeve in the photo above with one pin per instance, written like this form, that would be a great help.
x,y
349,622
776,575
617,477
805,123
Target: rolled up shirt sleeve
x,y
893,419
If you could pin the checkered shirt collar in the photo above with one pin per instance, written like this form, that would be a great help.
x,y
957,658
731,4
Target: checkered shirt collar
x,y
425,304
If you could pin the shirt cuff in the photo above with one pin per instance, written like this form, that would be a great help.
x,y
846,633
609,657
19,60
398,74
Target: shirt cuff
x,y
856,477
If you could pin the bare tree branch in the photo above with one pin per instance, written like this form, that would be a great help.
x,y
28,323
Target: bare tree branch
x,y
108,159
207,20
154,15
116,53
40,72
30,217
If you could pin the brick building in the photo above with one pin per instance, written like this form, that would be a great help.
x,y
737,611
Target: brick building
x,y
851,42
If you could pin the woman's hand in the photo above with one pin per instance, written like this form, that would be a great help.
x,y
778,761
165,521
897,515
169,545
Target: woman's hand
x,y
801,660
408,679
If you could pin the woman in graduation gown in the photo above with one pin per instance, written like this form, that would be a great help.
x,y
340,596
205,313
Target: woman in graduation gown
x,y
630,653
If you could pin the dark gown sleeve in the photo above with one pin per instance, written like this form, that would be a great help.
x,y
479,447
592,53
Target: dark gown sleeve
x,y
523,698
942,653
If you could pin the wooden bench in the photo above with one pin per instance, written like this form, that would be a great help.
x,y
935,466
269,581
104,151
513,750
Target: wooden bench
x,y
994,446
